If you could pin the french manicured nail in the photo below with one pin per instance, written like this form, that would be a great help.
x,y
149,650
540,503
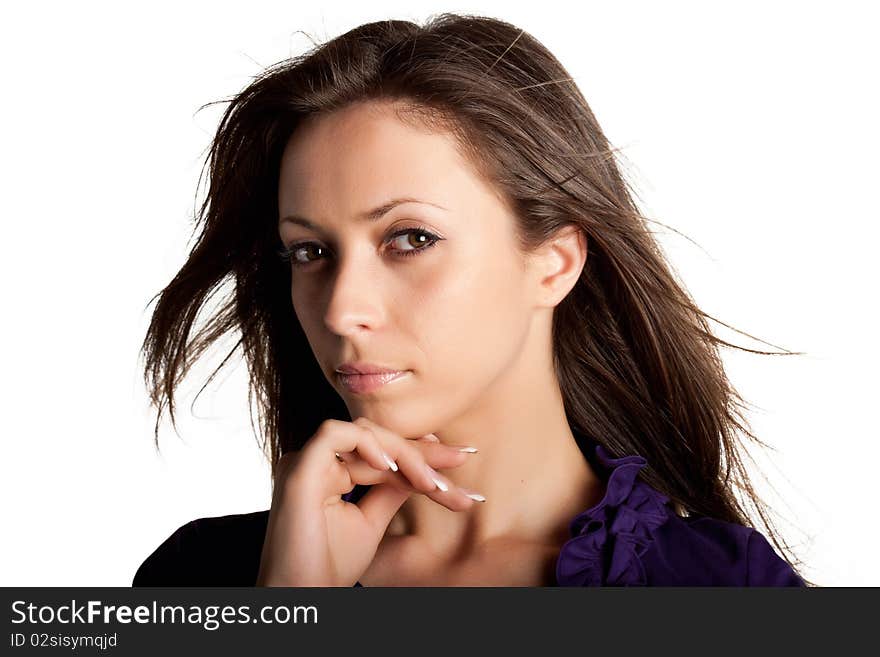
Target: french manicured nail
x,y
469,450
390,462
435,477
473,495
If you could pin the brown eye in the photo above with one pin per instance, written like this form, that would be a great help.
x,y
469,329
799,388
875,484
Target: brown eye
x,y
306,251
415,239
301,254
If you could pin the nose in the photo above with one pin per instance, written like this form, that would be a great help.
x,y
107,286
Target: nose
x,y
353,304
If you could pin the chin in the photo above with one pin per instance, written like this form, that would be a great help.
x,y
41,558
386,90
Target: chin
x,y
394,418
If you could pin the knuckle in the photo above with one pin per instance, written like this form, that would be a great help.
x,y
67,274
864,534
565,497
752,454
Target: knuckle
x,y
368,432
327,426
374,437
326,431
400,457
363,423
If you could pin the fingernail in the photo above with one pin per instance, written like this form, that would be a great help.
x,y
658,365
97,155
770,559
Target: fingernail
x,y
474,496
432,438
435,477
390,462
469,450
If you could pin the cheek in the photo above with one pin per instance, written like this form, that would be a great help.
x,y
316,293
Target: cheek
x,y
470,324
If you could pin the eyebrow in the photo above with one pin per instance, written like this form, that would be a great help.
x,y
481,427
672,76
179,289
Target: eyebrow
x,y
370,215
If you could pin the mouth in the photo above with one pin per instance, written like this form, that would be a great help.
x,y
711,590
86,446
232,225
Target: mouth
x,y
361,384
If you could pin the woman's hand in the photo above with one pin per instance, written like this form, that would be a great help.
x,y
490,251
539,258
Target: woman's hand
x,y
314,537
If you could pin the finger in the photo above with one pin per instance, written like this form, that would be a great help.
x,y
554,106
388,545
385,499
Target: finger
x,y
328,451
419,459
437,455
337,438
406,454
362,472
455,498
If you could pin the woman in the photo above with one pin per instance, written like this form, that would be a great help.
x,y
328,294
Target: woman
x,y
473,365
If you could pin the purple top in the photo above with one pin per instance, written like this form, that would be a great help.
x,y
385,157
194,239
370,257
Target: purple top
x,y
632,537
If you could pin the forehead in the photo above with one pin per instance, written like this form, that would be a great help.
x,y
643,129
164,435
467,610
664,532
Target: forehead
x,y
364,154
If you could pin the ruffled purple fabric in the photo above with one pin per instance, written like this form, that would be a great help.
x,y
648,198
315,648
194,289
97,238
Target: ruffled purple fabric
x,y
609,540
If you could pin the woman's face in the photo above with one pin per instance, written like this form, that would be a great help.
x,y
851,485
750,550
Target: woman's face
x,y
452,313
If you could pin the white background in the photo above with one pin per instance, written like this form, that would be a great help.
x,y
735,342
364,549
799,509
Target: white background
x,y
751,128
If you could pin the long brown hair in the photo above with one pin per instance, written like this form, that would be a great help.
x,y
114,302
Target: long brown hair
x,y
637,363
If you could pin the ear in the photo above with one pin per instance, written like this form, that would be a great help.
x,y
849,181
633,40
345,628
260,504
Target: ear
x,y
557,265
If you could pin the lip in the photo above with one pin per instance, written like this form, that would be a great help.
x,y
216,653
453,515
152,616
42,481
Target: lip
x,y
363,367
362,384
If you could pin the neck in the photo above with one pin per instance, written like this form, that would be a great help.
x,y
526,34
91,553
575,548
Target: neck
x,y
529,467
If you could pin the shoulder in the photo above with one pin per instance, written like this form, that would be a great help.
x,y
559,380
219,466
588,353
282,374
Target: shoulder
x,y
634,537
702,551
215,551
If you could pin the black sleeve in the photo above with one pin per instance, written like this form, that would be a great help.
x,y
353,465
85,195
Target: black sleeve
x,y
217,551
170,564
